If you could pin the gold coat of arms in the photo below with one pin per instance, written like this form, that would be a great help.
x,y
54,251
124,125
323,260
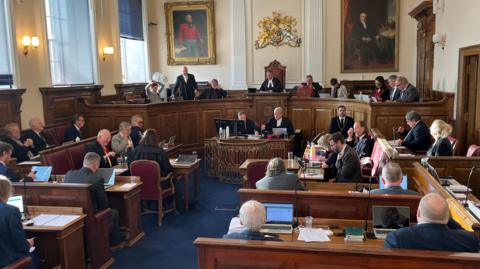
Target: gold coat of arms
x,y
277,30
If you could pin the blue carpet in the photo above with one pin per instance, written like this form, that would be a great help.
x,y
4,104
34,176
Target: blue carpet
x,y
171,245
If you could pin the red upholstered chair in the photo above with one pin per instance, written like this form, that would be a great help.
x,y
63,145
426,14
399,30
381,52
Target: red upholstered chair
x,y
304,91
453,141
278,71
58,160
255,172
77,153
149,173
473,151
20,263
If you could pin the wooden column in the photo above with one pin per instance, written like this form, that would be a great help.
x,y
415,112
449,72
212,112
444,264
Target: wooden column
x,y
10,102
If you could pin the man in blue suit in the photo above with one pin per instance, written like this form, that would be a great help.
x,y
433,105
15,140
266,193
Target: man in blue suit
x,y
362,142
418,138
73,133
432,232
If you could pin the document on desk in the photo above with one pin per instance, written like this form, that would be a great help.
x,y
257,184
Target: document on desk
x,y
41,219
314,235
119,171
127,186
53,220
28,163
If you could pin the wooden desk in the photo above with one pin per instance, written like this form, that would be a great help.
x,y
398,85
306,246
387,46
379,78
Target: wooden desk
x,y
173,150
183,172
59,245
126,199
340,187
291,165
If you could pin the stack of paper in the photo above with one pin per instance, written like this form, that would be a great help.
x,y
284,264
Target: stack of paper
x,y
314,235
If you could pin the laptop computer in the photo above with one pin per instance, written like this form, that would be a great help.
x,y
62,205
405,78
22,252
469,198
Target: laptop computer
x,y
171,140
42,173
108,175
387,219
404,183
17,201
252,90
279,131
279,218
186,158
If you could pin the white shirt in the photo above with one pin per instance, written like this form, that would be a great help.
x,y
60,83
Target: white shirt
x,y
3,163
185,77
270,83
279,122
340,155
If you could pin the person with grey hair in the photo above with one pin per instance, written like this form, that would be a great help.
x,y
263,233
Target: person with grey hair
x,y
101,146
408,92
418,138
277,177
252,217
440,130
22,151
432,231
35,133
122,142
13,240
394,91
271,83
88,175
250,127
137,129
392,179
278,121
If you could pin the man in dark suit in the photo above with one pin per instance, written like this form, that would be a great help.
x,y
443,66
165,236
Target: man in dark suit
x,y
101,147
432,232
22,151
348,163
271,84
408,92
250,126
341,123
87,175
214,92
418,138
5,158
186,85
137,129
35,133
394,91
362,142
315,86
13,240
392,179
252,217
73,133
278,121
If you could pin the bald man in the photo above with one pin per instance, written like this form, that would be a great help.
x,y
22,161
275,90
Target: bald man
x,y
35,133
186,85
432,232
101,146
278,121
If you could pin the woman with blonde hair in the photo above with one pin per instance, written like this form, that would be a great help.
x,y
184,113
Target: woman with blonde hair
x,y
440,130
277,178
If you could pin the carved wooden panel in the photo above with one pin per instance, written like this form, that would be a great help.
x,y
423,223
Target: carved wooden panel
x,y
302,119
189,131
322,119
10,102
209,129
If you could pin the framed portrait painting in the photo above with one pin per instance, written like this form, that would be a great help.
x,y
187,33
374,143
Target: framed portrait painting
x,y
190,32
370,35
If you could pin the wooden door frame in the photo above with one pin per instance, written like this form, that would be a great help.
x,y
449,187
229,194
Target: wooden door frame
x,y
460,131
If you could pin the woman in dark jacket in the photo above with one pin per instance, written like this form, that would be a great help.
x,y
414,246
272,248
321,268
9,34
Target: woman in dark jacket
x,y
381,92
440,130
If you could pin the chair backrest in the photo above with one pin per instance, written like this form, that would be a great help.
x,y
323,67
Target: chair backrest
x,y
278,71
473,151
454,143
305,91
255,172
149,173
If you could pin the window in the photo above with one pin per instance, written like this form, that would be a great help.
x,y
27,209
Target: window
x,y
70,42
6,66
132,41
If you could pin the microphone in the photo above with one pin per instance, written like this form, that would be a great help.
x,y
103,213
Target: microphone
x,y
394,133
368,235
430,168
468,185
25,208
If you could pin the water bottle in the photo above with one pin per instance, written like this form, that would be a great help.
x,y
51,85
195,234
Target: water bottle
x,y
227,132
220,133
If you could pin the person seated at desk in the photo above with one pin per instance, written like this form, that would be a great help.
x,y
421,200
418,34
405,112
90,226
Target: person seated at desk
x,y
250,126
362,143
5,158
408,92
392,179
101,147
432,232
36,135
418,138
440,131
309,85
252,217
148,149
271,84
341,123
329,169
338,90
73,133
87,175
14,244
137,129
381,92
22,151
121,142
277,178
278,121
348,163
214,92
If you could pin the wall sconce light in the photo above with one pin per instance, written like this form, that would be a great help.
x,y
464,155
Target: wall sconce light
x,y
29,42
439,40
107,51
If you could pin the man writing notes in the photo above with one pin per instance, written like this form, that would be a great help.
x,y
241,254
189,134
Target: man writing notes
x,y
186,85
278,121
101,147
418,138
341,123
348,163
271,84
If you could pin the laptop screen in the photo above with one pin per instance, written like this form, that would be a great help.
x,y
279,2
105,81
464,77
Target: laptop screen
x,y
279,131
391,217
42,173
279,213
108,175
404,183
16,201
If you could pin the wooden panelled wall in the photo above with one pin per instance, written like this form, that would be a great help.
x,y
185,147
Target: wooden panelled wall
x,y
10,103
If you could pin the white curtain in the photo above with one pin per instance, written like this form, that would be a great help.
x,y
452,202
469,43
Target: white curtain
x,y
134,64
5,53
